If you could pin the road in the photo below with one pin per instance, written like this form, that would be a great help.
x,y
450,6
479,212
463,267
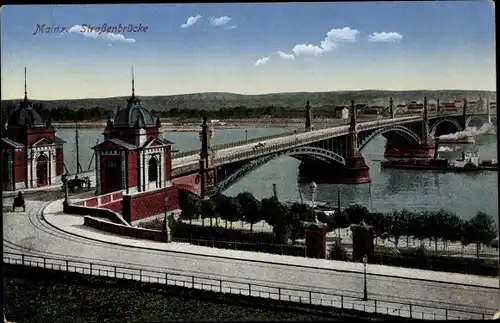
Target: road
x,y
28,233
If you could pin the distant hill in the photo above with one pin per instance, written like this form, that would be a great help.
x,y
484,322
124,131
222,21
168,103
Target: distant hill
x,y
216,100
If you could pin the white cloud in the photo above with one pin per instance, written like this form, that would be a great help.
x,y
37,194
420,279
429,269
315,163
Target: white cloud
x,y
286,56
219,21
332,39
193,20
385,37
262,61
231,27
303,49
86,32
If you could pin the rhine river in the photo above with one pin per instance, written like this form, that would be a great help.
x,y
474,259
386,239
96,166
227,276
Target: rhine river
x,y
390,189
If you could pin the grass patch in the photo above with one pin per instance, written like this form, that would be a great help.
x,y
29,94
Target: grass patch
x,y
40,295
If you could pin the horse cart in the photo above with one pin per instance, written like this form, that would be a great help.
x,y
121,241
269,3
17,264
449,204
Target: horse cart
x,y
76,184
19,202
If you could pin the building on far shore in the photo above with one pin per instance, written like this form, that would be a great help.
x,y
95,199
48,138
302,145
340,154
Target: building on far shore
x,y
32,154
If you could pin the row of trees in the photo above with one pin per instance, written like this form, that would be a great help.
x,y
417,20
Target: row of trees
x,y
64,113
286,220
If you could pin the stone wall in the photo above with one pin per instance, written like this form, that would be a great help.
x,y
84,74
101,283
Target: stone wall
x,y
155,235
143,205
96,212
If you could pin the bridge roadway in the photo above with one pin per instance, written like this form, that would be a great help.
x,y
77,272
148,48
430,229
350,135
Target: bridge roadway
x,y
184,164
31,233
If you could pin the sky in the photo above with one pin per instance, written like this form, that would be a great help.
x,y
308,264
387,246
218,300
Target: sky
x,y
246,48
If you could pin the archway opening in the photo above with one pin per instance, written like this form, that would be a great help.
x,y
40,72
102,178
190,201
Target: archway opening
x,y
475,123
445,127
42,170
153,171
112,176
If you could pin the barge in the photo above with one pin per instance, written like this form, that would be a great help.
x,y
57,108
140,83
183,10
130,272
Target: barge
x,y
469,163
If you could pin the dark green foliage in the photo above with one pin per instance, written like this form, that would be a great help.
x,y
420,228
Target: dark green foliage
x,y
230,105
189,205
357,213
207,210
480,229
249,207
337,252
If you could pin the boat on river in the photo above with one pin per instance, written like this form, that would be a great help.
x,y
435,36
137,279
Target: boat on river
x,y
468,163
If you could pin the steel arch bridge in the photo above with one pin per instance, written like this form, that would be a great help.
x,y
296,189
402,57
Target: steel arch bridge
x,y
402,131
318,153
434,127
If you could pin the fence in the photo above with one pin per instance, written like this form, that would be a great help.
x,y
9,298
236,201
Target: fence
x,y
297,250
310,297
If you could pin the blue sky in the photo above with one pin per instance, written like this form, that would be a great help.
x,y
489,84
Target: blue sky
x,y
248,48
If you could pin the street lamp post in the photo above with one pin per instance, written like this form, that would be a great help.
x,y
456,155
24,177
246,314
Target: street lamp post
x,y
365,290
313,187
165,217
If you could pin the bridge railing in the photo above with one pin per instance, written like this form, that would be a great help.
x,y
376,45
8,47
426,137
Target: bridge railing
x,y
237,143
324,297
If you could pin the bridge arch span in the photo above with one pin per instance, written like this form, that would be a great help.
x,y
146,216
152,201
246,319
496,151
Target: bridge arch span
x,y
318,153
474,121
453,127
405,133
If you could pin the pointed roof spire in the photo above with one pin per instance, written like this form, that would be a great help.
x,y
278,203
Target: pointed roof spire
x,y
133,86
25,86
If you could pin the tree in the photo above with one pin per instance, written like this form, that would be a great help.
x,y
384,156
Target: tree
x,y
480,229
249,207
226,208
452,227
189,204
398,225
434,225
274,213
340,220
207,210
380,224
356,213
416,226
303,211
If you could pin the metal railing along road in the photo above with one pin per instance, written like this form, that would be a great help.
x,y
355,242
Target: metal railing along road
x,y
402,309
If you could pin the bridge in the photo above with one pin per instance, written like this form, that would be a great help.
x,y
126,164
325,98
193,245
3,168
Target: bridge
x,y
214,169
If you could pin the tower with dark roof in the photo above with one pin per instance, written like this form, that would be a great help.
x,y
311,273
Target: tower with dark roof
x,y
134,156
31,151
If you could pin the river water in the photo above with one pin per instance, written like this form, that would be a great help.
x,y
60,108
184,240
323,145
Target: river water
x,y
390,189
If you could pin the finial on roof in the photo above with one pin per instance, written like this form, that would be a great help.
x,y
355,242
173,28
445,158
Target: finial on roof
x,y
133,86
25,86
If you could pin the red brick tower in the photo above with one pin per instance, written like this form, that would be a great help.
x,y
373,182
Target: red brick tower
x,y
32,155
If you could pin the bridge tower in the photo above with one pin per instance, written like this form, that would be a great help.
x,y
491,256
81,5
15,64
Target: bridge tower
x,y
207,173
464,113
488,111
357,172
425,121
438,107
391,107
308,117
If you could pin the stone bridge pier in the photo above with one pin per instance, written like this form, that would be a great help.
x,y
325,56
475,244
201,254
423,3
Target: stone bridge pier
x,y
356,170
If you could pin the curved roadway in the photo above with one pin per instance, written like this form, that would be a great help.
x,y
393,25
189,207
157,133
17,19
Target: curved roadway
x,y
28,233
